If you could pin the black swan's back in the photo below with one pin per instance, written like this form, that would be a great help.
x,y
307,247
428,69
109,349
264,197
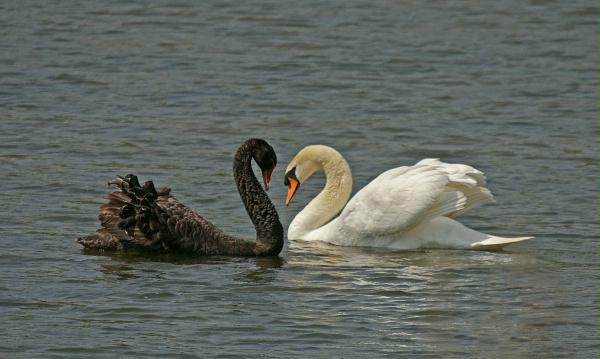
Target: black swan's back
x,y
141,218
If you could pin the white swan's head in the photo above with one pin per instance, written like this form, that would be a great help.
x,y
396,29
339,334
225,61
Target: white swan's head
x,y
308,161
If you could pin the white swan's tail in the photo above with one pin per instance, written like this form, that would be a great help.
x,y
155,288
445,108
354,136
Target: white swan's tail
x,y
444,232
493,243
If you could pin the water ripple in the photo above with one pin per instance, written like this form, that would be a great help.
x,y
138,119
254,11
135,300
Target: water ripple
x,y
168,91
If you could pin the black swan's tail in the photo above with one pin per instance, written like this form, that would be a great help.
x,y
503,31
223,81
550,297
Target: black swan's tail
x,y
130,218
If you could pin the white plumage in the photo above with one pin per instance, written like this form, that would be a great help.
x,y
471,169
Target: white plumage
x,y
407,207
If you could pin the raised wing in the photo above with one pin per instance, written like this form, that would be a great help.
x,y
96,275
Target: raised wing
x,y
131,218
403,197
466,179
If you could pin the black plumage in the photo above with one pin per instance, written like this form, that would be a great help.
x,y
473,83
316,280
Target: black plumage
x,y
140,217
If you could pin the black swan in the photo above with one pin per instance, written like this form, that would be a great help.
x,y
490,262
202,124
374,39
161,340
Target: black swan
x,y
139,217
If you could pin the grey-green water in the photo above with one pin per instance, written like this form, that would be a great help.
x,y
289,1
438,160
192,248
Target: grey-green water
x,y
89,90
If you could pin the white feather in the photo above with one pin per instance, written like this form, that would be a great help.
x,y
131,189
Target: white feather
x,y
403,208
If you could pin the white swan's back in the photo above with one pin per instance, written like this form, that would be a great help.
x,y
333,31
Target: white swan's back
x,y
407,207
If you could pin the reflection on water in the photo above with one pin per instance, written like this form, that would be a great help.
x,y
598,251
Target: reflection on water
x,y
263,273
124,264
324,254
122,271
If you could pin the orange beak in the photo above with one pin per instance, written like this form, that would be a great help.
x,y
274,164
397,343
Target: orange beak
x,y
293,187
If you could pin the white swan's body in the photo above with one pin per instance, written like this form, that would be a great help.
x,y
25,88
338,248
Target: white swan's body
x,y
407,207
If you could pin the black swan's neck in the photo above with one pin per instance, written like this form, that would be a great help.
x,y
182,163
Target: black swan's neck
x,y
262,212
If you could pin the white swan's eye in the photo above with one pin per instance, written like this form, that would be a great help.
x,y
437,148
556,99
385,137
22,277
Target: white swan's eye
x,y
292,182
290,175
305,169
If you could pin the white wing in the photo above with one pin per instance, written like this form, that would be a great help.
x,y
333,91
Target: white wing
x,y
466,179
403,197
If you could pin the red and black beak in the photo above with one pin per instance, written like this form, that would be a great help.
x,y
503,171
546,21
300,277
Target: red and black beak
x,y
267,177
292,182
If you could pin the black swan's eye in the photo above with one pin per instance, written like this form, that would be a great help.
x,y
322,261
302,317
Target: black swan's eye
x,y
265,157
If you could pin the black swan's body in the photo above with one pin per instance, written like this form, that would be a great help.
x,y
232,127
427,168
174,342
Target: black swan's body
x,y
139,217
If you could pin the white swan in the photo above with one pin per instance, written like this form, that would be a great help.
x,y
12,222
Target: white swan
x,y
407,207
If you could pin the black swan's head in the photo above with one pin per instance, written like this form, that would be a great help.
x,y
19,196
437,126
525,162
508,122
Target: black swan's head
x,y
265,157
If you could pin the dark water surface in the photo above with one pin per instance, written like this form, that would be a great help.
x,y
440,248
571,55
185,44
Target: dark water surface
x,y
89,90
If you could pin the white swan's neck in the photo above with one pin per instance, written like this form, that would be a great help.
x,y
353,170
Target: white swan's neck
x,y
331,200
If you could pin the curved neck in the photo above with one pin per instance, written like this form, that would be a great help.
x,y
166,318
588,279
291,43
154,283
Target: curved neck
x,y
329,202
262,212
